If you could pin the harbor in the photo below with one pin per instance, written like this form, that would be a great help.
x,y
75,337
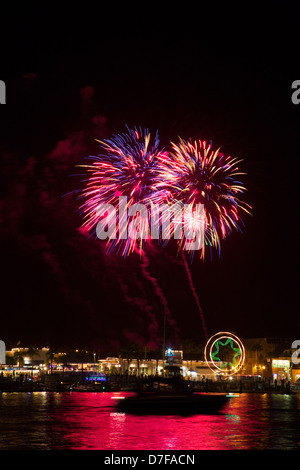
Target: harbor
x,y
101,383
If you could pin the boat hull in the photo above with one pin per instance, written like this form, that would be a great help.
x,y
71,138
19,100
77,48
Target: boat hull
x,y
195,403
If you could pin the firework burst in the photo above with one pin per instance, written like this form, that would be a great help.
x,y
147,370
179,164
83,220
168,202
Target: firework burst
x,y
195,174
125,167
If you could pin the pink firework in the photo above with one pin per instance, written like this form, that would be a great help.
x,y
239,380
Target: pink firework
x,y
198,176
125,168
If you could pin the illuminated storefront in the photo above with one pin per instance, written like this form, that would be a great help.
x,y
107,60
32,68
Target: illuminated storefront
x,y
281,369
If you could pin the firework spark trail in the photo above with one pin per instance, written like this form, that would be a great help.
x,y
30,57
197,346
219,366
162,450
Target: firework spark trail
x,y
144,265
132,165
195,295
141,303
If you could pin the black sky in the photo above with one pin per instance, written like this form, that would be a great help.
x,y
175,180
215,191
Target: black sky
x,y
215,73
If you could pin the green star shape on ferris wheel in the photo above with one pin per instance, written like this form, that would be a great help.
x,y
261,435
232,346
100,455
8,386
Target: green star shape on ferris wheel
x,y
215,354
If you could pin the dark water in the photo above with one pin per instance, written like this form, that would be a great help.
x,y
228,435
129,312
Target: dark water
x,y
43,420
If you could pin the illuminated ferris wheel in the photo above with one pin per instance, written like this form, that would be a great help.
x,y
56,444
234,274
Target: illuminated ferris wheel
x,y
224,353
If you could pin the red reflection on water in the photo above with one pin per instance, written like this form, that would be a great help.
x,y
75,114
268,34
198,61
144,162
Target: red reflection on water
x,y
95,424
42,420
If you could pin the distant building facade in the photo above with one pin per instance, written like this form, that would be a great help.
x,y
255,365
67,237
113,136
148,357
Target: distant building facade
x,y
268,358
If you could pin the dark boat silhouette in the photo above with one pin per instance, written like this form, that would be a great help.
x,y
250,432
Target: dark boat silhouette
x,y
171,396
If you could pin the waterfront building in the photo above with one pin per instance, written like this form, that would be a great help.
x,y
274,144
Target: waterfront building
x,y
271,358
266,358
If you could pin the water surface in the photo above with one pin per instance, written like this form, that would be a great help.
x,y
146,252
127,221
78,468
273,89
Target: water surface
x,y
46,420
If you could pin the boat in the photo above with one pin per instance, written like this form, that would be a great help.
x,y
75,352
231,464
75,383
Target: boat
x,y
92,383
171,397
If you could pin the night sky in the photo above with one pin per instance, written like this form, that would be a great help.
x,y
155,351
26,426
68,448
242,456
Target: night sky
x,y
80,74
